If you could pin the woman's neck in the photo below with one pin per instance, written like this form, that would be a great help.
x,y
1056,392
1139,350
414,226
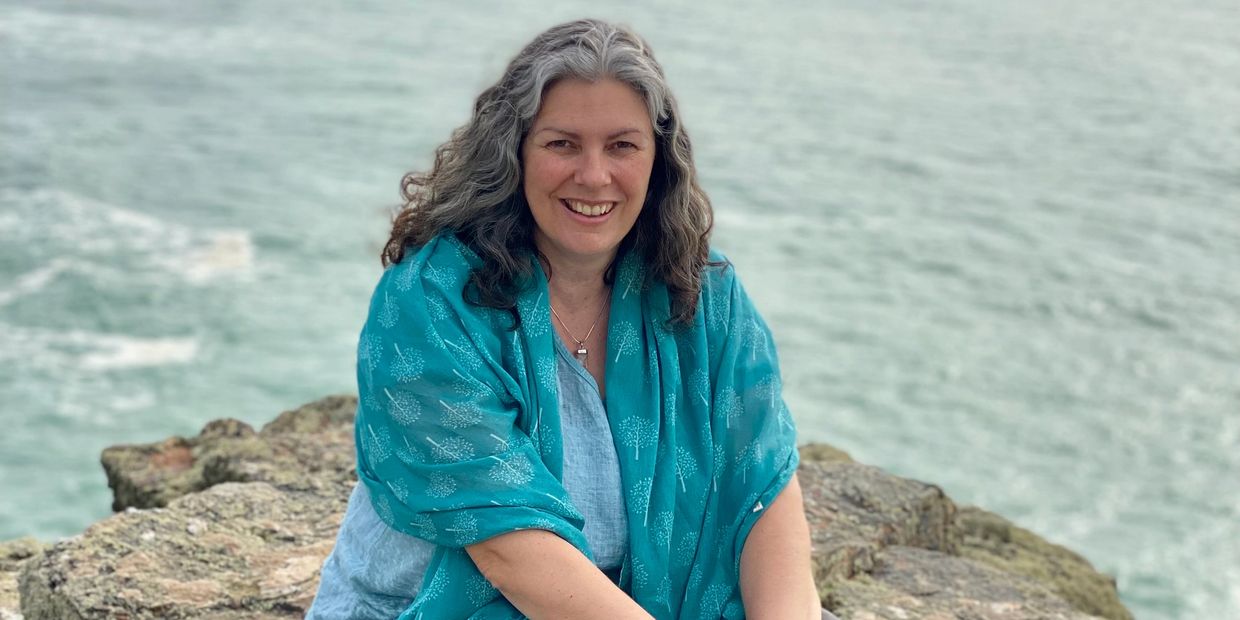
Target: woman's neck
x,y
575,282
576,285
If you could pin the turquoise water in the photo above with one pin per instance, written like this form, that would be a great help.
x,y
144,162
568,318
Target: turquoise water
x,y
997,241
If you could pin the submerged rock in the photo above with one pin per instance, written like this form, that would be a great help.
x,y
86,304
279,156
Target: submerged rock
x,y
237,523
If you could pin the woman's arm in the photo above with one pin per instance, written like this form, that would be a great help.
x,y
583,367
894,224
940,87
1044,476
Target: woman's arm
x,y
547,578
776,578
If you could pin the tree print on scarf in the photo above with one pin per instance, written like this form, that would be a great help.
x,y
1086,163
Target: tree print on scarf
x,y
441,485
630,279
516,471
464,528
663,529
700,386
451,449
437,309
728,406
686,549
479,590
534,319
370,352
626,340
378,444
639,499
404,280
447,279
747,458
403,408
464,351
400,489
686,466
460,415
389,314
407,365
637,433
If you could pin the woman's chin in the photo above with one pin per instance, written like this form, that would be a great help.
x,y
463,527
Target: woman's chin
x,y
579,248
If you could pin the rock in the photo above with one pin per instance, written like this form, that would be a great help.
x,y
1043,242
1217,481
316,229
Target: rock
x,y
907,583
151,475
13,555
248,518
891,548
259,557
856,510
823,453
993,540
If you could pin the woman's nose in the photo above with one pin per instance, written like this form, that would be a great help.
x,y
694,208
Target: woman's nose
x,y
592,170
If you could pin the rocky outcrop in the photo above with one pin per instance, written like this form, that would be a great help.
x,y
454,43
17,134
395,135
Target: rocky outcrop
x,y
309,449
891,548
13,556
236,550
992,540
235,523
909,582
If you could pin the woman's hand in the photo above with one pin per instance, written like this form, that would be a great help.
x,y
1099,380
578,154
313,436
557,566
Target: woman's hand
x,y
545,577
776,578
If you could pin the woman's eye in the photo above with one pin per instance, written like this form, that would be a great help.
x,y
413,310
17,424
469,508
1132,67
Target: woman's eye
x,y
558,144
623,145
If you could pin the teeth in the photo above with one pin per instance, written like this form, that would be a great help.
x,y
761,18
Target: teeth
x,y
591,210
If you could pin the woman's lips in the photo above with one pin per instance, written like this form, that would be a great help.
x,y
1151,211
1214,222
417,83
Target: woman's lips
x,y
592,209
591,212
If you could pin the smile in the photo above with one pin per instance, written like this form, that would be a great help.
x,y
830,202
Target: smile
x,y
588,209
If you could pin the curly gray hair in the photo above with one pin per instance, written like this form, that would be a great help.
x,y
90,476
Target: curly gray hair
x,y
474,188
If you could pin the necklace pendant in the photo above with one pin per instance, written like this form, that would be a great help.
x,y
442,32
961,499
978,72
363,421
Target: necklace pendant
x,y
581,353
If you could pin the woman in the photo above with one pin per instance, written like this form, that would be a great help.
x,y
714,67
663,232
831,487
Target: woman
x,y
568,407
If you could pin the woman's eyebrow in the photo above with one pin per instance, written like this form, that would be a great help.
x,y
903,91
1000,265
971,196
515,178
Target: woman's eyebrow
x,y
625,132
576,136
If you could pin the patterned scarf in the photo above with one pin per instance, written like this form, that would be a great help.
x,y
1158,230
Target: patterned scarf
x,y
458,430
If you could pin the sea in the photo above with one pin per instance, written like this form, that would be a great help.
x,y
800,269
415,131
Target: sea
x,y
998,241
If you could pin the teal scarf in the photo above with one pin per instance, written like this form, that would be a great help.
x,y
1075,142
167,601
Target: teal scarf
x,y
458,431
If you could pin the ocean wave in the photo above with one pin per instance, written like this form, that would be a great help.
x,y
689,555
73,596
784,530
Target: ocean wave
x,y
32,281
53,225
58,351
226,252
119,352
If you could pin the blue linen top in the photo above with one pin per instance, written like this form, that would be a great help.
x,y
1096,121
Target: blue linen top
x,y
374,571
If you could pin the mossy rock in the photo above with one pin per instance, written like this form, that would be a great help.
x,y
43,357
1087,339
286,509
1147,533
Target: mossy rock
x,y
989,538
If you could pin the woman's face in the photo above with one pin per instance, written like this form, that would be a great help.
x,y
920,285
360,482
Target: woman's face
x,y
587,162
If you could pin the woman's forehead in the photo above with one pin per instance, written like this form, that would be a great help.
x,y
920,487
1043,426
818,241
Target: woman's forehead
x,y
607,108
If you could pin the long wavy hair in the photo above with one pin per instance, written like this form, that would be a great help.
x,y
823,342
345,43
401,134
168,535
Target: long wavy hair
x,y
475,188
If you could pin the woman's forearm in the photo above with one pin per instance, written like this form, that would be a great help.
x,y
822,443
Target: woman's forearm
x,y
776,577
547,578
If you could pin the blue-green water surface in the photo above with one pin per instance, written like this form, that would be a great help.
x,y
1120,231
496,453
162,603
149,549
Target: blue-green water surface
x,y
998,242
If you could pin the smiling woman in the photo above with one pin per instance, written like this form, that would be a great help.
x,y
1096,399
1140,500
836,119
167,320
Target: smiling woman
x,y
651,475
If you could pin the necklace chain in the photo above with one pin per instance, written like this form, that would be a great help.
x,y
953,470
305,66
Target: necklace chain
x,y
582,351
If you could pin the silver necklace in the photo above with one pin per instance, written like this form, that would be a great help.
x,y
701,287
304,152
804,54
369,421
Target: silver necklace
x,y
581,352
